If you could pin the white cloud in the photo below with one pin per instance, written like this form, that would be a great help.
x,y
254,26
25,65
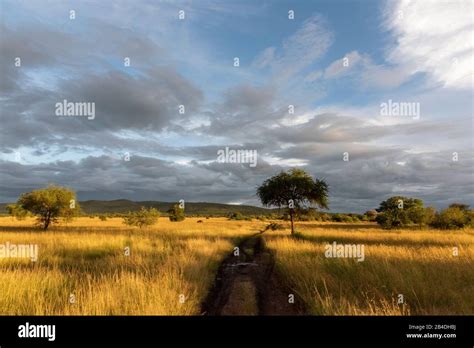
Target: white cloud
x,y
436,37
313,76
264,58
299,50
342,66
364,70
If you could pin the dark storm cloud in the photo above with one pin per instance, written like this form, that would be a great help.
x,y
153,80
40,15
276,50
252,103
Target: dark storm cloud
x,y
126,102
122,102
433,177
245,112
59,64
140,178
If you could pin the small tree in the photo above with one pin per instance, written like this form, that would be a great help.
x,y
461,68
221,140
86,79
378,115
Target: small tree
x,y
176,213
17,211
293,189
420,215
371,215
394,212
462,206
452,218
50,204
142,217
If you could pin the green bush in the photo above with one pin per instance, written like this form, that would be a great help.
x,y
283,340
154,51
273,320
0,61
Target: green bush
x,y
324,217
17,211
143,217
238,216
370,215
341,218
452,218
397,211
176,213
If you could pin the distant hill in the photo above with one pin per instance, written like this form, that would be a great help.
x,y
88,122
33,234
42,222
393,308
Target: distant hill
x,y
192,208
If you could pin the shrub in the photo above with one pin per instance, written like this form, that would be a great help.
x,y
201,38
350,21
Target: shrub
x,y
238,216
176,213
17,211
371,215
103,218
341,218
421,216
462,206
324,217
309,214
452,218
275,226
143,217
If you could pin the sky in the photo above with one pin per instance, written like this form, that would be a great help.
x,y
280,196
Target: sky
x,y
310,90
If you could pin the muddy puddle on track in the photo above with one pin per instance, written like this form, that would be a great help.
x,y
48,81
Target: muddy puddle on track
x,y
247,284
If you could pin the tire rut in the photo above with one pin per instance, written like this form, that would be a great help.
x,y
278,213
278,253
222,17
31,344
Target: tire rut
x,y
247,284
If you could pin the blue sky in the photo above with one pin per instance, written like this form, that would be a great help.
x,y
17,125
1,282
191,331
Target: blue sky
x,y
336,62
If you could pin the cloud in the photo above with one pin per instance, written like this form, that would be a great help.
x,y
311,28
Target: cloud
x,y
122,102
152,100
433,37
363,70
298,51
342,66
173,156
265,58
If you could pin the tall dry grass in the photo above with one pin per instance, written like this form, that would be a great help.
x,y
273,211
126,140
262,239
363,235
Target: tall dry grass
x,y
86,258
418,264
168,262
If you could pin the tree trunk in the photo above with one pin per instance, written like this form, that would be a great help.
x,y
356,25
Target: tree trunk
x,y
47,221
291,219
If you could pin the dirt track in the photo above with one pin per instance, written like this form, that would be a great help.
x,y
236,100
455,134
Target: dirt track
x,y
248,285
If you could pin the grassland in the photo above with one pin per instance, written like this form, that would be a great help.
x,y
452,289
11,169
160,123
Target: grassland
x,y
172,261
418,264
86,258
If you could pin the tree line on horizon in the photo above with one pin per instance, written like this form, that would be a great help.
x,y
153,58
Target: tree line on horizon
x,y
294,190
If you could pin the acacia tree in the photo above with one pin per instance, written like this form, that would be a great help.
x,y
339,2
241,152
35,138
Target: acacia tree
x,y
293,189
50,204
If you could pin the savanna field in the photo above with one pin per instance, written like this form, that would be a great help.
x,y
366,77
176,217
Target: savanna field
x,y
84,267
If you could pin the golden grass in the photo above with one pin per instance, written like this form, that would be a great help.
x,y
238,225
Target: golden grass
x,y
168,262
419,264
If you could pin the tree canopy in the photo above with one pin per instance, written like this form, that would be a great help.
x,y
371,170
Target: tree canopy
x,y
50,204
294,189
